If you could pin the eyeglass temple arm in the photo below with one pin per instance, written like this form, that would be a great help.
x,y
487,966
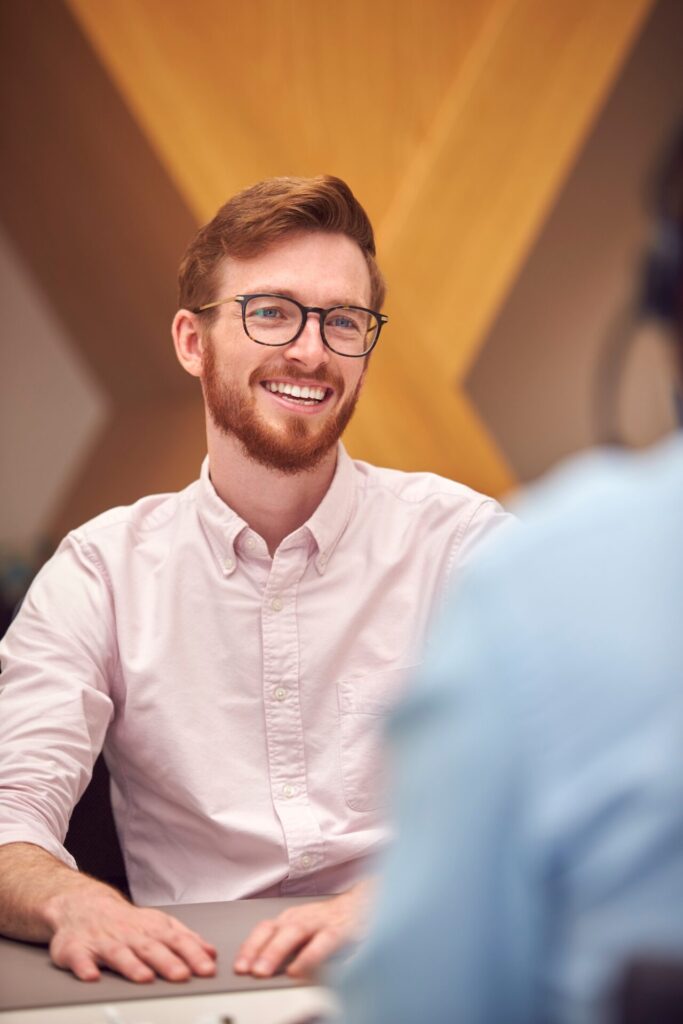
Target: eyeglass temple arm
x,y
221,302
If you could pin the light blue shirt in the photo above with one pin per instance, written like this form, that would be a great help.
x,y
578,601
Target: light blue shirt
x,y
539,767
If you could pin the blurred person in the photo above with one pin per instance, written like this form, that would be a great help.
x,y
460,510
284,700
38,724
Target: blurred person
x,y
539,760
233,647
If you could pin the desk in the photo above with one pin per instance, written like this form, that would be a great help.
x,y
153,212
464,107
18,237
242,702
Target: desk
x,y
33,991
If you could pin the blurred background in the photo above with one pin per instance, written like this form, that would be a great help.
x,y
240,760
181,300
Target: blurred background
x,y
501,147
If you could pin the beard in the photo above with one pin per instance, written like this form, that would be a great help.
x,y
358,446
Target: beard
x,y
300,444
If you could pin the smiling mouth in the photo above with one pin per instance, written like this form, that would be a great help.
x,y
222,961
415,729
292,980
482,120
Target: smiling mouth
x,y
299,394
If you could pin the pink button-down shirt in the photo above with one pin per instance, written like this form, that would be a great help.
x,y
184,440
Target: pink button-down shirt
x,y
239,698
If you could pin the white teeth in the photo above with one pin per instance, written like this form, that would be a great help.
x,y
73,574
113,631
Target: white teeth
x,y
294,391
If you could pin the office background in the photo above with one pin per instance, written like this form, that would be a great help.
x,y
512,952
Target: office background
x,y
501,148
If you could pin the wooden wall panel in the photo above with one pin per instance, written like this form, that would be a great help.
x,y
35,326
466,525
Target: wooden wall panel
x,y
542,359
455,123
100,226
472,205
86,203
233,92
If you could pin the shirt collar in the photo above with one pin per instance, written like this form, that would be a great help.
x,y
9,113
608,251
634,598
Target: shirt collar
x,y
332,516
326,525
220,523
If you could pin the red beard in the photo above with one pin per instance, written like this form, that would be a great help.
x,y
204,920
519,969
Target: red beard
x,y
301,443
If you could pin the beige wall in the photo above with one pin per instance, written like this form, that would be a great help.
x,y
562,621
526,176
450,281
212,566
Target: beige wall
x,y
51,407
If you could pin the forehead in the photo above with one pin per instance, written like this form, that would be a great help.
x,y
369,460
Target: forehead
x,y
316,267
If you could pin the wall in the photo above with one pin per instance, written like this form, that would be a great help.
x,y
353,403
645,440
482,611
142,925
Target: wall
x,y
480,135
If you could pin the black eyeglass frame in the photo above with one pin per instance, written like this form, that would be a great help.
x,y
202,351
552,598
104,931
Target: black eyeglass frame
x,y
305,310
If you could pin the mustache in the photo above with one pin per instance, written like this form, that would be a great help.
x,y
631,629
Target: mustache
x,y
321,375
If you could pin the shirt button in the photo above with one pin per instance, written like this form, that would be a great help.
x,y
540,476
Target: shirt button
x,y
280,693
251,543
276,604
289,791
306,861
229,564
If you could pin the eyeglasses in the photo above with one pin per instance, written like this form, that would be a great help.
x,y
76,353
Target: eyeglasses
x,y
277,320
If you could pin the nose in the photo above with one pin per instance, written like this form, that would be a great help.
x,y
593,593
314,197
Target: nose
x,y
309,349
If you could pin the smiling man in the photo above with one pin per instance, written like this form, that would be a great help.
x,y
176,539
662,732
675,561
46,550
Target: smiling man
x,y
232,648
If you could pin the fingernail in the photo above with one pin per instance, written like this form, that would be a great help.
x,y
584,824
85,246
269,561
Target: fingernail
x,y
261,967
241,964
207,967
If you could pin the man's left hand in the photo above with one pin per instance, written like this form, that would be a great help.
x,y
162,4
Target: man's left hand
x,y
311,933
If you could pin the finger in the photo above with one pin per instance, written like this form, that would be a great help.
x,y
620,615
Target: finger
x,y
315,953
208,947
77,960
120,958
160,958
252,946
197,954
286,940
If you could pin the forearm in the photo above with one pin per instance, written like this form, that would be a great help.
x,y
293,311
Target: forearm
x,y
33,886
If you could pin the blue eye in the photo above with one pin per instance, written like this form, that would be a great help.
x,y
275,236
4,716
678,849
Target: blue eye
x,y
266,313
343,323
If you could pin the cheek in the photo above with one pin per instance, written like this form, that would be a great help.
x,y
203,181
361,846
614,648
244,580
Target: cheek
x,y
355,385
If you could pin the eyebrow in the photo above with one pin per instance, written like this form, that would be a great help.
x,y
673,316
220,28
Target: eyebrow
x,y
287,293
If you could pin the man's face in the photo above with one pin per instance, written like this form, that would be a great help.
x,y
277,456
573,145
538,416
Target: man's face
x,y
240,378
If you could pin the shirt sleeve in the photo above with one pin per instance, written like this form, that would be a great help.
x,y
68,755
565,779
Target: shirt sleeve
x,y
57,661
488,523
455,902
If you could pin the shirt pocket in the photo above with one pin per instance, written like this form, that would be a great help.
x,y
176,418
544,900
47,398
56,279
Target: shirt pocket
x,y
364,703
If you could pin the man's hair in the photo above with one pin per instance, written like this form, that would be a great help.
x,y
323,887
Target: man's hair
x,y
265,213
662,287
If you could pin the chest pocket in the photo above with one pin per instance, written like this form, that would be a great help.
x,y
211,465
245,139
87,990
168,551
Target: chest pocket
x,y
364,703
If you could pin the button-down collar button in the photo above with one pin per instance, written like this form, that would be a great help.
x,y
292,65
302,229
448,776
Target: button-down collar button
x,y
306,861
280,693
322,561
276,604
250,543
288,791
229,564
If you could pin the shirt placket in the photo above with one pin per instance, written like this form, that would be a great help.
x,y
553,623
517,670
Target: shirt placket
x,y
284,725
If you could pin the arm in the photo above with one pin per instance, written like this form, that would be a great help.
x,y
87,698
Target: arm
x,y
311,933
87,924
58,664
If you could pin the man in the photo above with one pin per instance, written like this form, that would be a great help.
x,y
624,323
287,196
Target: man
x,y
540,762
233,647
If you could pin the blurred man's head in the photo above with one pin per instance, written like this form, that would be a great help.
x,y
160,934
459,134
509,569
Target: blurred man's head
x,y
663,278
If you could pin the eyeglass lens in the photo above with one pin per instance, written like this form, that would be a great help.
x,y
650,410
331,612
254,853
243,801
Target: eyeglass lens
x,y
272,320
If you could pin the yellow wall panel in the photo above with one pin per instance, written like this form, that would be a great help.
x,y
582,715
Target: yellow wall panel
x,y
456,124
233,92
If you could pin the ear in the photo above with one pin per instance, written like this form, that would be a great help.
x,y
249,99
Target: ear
x,y
188,341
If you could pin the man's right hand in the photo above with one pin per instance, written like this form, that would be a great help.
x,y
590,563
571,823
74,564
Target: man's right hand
x,y
105,930
89,925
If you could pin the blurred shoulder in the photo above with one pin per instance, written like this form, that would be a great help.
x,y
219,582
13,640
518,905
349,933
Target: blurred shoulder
x,y
600,504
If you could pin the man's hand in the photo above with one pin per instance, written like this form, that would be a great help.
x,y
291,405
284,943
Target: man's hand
x,y
90,925
93,930
312,931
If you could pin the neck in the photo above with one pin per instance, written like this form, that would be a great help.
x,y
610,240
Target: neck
x,y
274,504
